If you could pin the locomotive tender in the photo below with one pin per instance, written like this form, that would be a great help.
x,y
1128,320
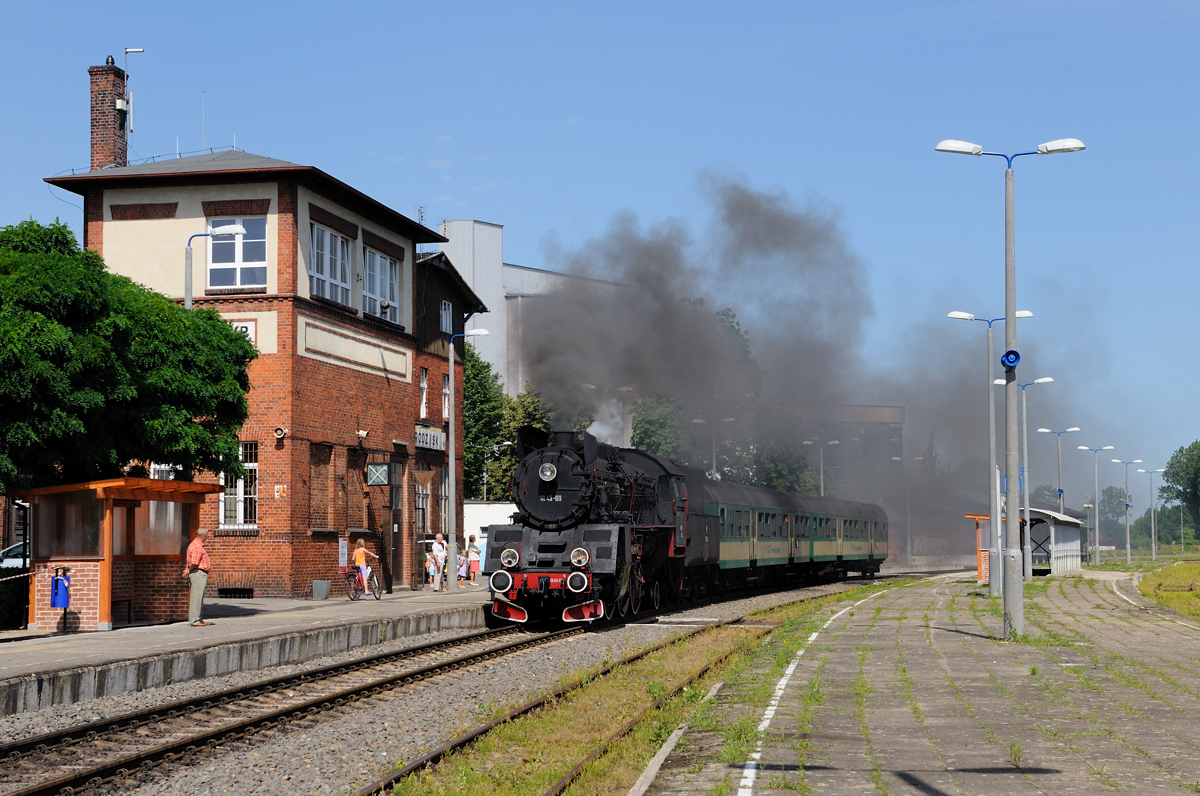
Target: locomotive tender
x,y
603,531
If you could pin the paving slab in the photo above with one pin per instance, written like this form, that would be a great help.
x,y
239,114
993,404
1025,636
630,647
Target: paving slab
x,y
912,692
45,670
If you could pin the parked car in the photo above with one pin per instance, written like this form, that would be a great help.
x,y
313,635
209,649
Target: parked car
x,y
14,556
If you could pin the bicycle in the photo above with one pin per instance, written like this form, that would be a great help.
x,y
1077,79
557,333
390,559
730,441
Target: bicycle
x,y
355,586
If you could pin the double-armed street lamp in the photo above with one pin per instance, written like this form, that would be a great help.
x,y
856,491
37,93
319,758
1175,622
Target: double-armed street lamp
x,y
1027,548
1128,557
226,231
452,520
1058,435
994,563
1153,518
1014,604
823,446
1096,498
907,508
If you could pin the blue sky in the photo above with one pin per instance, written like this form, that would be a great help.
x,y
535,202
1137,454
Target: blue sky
x,y
550,118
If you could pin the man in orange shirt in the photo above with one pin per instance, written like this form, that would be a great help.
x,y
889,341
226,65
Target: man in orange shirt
x,y
196,571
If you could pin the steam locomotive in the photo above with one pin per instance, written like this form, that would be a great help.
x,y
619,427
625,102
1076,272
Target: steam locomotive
x,y
602,531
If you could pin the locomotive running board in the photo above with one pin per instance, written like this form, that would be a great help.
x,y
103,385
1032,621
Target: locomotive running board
x,y
584,612
509,612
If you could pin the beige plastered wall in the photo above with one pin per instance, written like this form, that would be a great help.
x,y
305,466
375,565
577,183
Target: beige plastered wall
x,y
304,197
151,252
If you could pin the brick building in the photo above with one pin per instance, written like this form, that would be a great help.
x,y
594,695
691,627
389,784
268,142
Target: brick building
x,y
346,435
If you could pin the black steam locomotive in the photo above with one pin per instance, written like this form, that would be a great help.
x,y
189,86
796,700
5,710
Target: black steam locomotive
x,y
602,531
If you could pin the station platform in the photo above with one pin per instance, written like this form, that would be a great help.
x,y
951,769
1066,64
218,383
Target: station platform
x,y
911,690
38,670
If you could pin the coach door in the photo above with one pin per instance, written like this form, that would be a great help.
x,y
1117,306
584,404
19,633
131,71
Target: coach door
x,y
754,516
839,537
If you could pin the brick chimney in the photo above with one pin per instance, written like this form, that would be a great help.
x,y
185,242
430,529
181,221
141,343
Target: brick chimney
x,y
108,115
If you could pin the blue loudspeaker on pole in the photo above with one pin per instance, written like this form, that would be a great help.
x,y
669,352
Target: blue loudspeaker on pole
x,y
1009,359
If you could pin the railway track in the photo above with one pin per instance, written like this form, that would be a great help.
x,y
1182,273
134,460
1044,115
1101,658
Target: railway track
x,y
111,750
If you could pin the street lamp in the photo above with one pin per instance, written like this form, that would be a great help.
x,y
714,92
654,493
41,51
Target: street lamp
x,y
1014,601
908,511
700,421
1058,434
1153,522
1027,548
822,449
452,521
994,563
1096,498
1128,558
217,232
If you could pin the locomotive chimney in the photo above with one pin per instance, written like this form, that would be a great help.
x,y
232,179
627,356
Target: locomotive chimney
x,y
564,439
109,146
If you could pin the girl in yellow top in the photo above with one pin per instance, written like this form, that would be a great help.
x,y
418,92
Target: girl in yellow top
x,y
360,560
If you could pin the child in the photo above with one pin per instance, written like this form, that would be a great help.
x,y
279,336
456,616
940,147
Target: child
x,y
462,569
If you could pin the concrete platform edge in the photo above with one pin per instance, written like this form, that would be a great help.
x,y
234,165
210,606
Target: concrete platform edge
x,y
68,686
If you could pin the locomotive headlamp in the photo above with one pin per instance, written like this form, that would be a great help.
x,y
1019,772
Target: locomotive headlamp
x,y
501,582
547,472
510,557
579,557
577,582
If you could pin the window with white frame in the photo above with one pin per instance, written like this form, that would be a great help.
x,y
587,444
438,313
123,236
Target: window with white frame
x,y
381,282
445,395
329,266
238,260
239,501
447,318
424,408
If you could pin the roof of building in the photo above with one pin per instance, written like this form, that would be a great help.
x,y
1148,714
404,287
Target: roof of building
x,y
474,304
236,166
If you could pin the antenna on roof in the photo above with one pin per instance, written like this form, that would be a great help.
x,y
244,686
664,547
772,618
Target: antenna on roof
x,y
203,123
128,93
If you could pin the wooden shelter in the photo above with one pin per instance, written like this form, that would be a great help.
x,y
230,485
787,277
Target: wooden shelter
x,y
123,541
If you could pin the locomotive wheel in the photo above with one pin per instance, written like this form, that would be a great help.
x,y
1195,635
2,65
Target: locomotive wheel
x,y
656,596
635,597
623,604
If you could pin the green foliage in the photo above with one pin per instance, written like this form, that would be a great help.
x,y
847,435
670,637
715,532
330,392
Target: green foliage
x,y
526,409
1181,481
1046,494
783,467
30,237
1168,527
483,418
102,374
658,425
1112,514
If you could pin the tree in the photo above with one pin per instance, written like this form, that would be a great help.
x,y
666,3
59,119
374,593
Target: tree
x,y
524,410
483,418
1112,514
658,425
1181,481
1167,524
102,375
1045,494
782,467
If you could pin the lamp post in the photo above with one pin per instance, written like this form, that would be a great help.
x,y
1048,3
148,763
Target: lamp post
x,y
452,520
822,458
1153,523
217,232
1014,599
495,453
1058,434
1027,548
908,510
994,563
1096,498
700,421
1128,557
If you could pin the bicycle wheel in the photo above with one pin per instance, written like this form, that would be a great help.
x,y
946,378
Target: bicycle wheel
x,y
352,587
374,584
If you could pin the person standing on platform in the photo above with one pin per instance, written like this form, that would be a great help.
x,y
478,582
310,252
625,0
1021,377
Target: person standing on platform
x,y
196,571
462,570
473,552
439,558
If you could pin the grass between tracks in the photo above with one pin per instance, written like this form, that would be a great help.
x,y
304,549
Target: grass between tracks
x,y
1173,580
529,754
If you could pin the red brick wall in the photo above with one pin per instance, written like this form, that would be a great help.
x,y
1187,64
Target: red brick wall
x,y
93,221
287,254
108,124
84,612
